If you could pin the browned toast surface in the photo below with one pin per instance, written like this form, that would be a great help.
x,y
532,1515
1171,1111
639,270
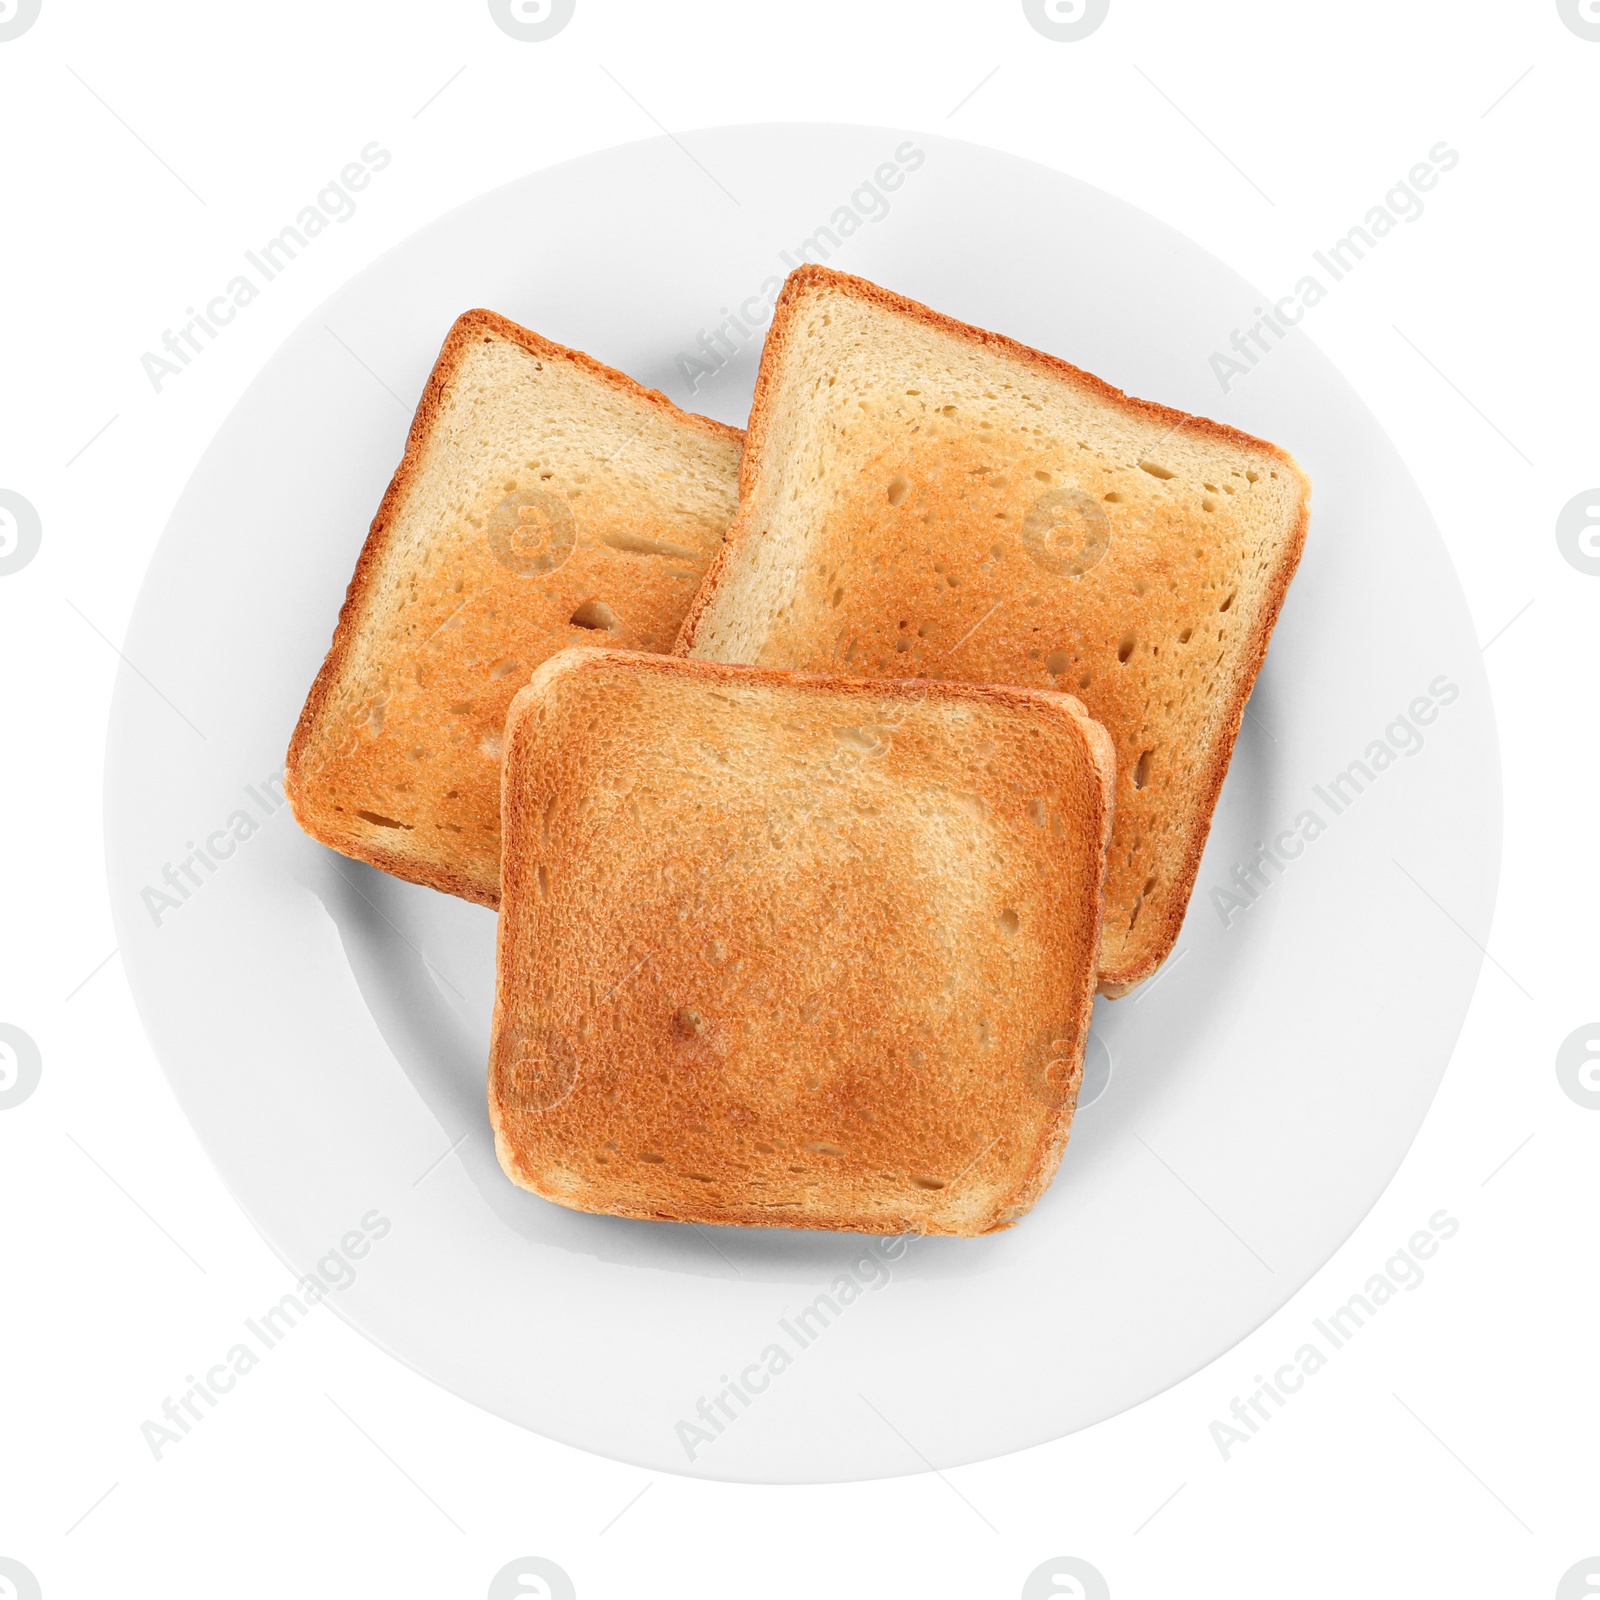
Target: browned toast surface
x,y
543,501
921,498
793,951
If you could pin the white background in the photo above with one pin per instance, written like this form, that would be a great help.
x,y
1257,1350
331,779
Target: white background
x,y
1450,1447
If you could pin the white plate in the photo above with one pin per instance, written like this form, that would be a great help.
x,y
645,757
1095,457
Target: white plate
x,y
325,1027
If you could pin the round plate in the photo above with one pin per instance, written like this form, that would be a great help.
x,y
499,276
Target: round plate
x,y
325,1027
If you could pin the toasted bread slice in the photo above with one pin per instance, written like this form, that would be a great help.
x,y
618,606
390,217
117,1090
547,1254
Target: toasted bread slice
x,y
791,951
922,498
543,500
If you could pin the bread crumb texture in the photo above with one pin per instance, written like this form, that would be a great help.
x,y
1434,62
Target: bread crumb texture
x,y
544,502
924,499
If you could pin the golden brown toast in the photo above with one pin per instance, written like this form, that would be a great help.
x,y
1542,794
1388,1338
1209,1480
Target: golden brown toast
x,y
922,498
543,500
791,951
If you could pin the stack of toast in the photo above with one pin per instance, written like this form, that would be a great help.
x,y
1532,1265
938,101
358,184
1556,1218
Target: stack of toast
x,y
821,774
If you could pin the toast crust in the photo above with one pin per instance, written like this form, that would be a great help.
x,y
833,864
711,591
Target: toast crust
x,y
302,763
740,1105
1119,974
